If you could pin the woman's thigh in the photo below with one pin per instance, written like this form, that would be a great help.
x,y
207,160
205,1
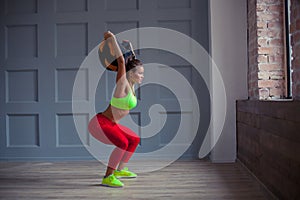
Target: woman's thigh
x,y
107,132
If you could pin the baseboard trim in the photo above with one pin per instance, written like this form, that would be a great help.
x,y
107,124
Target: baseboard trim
x,y
268,192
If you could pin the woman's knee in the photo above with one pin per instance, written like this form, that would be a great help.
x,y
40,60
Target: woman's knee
x,y
134,140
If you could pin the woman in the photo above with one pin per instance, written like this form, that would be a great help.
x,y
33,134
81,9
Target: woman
x,y
105,127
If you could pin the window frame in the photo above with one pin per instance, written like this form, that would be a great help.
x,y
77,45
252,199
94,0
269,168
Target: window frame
x,y
288,49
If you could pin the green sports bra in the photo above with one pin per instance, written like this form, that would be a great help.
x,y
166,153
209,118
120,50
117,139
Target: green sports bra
x,y
126,103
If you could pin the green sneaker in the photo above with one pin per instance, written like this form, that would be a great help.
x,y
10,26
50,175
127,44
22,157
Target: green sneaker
x,y
112,181
124,173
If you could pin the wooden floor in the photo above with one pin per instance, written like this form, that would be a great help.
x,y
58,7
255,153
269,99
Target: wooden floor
x,y
81,180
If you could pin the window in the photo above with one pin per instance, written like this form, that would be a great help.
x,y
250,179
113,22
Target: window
x,y
288,48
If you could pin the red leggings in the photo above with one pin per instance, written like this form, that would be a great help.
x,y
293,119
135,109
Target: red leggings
x,y
108,132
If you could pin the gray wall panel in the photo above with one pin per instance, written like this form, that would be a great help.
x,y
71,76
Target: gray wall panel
x,y
22,130
21,41
21,86
13,7
71,6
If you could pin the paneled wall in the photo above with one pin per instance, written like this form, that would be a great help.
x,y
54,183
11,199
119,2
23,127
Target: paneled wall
x,y
43,43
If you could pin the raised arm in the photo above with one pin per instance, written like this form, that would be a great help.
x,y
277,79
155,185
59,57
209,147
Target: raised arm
x,y
121,80
112,41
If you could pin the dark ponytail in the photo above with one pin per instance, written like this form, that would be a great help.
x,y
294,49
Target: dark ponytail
x,y
131,63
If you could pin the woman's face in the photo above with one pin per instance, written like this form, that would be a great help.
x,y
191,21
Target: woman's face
x,y
137,75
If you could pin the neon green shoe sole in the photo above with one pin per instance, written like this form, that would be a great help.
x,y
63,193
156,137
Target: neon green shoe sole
x,y
112,181
124,173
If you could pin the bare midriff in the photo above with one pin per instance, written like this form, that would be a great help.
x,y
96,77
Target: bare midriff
x,y
115,114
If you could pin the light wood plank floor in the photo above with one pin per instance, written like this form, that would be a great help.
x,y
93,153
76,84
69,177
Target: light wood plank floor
x,y
81,180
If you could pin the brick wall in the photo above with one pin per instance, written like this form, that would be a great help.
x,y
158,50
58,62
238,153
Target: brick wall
x,y
295,41
268,136
268,143
266,72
